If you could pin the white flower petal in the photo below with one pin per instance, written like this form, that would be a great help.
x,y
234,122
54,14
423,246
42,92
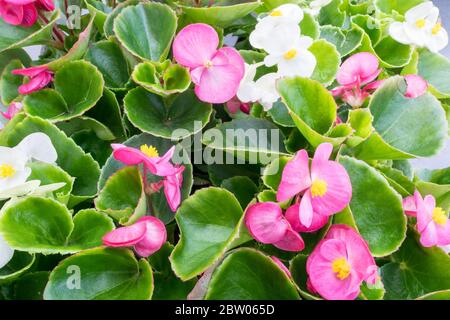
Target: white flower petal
x,y
273,37
44,190
420,11
20,190
398,33
268,91
38,146
416,36
272,59
436,43
6,252
302,65
19,178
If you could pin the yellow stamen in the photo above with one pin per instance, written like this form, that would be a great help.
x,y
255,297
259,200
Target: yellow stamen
x,y
6,171
341,267
439,216
208,64
149,151
421,23
291,54
319,188
437,27
276,13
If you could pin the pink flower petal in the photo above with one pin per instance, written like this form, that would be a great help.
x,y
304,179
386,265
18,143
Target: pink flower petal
x,y
424,210
19,2
282,266
305,212
195,45
30,16
233,58
36,83
196,75
416,86
374,85
293,216
291,241
429,236
13,109
295,177
127,155
332,249
11,13
125,236
338,188
172,189
409,206
30,72
265,222
155,236
322,155
359,69
46,5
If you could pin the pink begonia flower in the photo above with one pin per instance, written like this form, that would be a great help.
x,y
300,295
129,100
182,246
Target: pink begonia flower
x,y
340,263
326,188
13,109
282,266
160,166
293,216
357,78
409,206
147,236
416,86
432,222
234,105
216,73
23,12
39,77
266,224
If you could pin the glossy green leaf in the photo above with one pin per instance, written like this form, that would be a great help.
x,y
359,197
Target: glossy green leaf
x,y
243,188
31,286
101,274
435,68
71,158
212,214
180,119
280,115
123,196
345,41
247,274
20,263
361,122
221,14
108,57
404,127
162,79
375,207
9,83
65,101
415,271
14,54
401,6
109,22
75,125
146,30
332,14
328,61
300,276
43,225
309,26
273,172
100,10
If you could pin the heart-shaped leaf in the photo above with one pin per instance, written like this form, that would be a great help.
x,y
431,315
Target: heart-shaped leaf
x,y
44,225
146,30
214,214
328,61
375,207
109,23
20,263
345,41
101,274
405,127
332,14
185,116
247,274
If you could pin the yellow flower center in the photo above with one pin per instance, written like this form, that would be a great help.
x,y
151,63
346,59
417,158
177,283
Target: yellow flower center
x,y
291,54
439,216
437,27
208,64
341,267
276,13
421,23
319,188
149,151
6,171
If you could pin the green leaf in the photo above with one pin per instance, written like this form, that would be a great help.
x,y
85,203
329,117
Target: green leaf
x,y
438,295
75,125
415,271
436,183
16,36
102,274
332,14
280,115
312,108
309,26
43,225
66,102
375,207
71,158
401,6
361,122
100,11
273,172
9,83
31,286
404,127
20,263
13,54
297,268
108,57
220,172
149,113
222,13
109,23
167,285
328,61
157,201
345,41
247,274
123,196
213,214
370,25
243,188
435,68
256,140
146,30
162,79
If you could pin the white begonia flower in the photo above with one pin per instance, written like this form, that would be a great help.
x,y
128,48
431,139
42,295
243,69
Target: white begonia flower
x,y
262,90
292,56
316,5
283,20
6,252
421,28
